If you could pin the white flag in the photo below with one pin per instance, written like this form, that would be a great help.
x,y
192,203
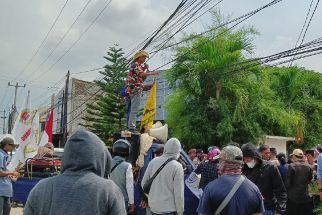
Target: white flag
x,y
26,133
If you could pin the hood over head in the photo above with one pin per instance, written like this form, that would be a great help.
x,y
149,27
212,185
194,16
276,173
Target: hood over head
x,y
172,148
84,151
250,150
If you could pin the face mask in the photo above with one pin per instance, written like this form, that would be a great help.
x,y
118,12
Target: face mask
x,y
251,164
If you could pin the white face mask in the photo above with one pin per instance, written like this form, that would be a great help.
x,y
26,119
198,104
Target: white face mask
x,y
251,164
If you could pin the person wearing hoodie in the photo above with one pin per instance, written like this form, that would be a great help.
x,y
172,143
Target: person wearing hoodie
x,y
81,187
121,172
268,179
166,195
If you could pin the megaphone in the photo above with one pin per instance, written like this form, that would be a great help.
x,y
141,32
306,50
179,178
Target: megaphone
x,y
158,124
160,133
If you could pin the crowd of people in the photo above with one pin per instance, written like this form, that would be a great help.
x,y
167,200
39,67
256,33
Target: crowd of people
x,y
234,180
283,183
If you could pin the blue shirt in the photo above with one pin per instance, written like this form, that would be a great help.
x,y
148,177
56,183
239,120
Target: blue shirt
x,y
246,201
5,182
319,169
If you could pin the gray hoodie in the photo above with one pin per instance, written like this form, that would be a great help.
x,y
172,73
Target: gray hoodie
x,y
81,188
167,190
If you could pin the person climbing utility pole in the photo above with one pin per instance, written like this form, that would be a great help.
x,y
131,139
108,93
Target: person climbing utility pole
x,y
139,70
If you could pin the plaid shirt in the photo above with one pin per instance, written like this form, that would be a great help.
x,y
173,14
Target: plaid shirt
x,y
135,79
208,171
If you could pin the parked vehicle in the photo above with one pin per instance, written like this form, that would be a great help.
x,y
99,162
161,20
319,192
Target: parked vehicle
x,y
34,171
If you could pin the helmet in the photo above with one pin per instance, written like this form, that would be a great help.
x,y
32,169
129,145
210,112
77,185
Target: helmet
x,y
232,154
121,147
213,154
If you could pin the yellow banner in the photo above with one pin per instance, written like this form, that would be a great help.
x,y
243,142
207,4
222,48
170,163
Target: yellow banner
x,y
150,108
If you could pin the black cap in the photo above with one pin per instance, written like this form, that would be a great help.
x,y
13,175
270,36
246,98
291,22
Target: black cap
x,y
250,150
121,147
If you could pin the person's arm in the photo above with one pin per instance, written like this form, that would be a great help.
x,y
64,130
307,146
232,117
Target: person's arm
x,y
144,74
4,172
115,206
289,176
178,182
319,170
8,173
147,174
28,208
198,169
278,190
129,187
205,203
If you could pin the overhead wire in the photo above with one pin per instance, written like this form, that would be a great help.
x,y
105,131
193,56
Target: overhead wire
x,y
76,41
241,19
79,38
146,44
43,41
307,26
187,23
176,13
61,39
246,17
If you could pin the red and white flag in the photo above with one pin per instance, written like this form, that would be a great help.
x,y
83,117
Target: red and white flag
x,y
47,135
25,132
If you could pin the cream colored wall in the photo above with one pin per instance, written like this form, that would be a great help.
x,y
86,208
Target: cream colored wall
x,y
280,145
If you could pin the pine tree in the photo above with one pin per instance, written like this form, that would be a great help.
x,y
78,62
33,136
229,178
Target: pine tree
x,y
107,115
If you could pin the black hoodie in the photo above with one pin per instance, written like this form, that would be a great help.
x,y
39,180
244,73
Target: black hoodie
x,y
267,178
81,188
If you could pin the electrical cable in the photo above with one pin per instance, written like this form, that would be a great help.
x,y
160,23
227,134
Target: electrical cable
x,y
79,38
307,27
43,41
61,39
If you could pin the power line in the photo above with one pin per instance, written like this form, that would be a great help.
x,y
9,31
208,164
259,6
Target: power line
x,y
241,18
186,23
61,39
43,41
79,38
307,27
184,19
96,93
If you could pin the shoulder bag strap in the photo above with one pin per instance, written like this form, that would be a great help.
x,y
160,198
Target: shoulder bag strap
x,y
160,168
116,166
230,195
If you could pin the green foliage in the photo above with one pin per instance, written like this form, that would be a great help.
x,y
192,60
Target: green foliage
x,y
300,91
107,115
217,99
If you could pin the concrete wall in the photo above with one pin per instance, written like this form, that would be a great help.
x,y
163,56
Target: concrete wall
x,y
277,142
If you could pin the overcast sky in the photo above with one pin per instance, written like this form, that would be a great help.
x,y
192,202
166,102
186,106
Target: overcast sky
x,y
24,24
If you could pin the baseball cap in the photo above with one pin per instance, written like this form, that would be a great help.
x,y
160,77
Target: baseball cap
x,y
7,140
232,154
298,152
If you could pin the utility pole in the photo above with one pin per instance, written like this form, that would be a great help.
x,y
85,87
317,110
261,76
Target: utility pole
x,y
14,107
4,121
16,91
64,118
